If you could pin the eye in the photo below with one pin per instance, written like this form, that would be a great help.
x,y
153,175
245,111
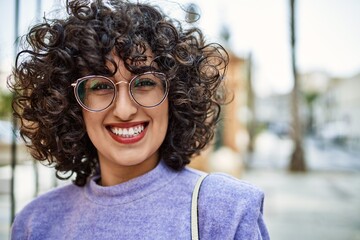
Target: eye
x,y
144,83
99,86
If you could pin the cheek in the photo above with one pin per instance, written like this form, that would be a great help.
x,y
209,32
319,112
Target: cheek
x,y
90,120
165,124
161,118
165,115
86,118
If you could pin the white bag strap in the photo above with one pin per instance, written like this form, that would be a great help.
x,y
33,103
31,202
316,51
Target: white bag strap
x,y
194,209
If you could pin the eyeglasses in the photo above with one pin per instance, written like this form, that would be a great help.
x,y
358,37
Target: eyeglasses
x,y
96,93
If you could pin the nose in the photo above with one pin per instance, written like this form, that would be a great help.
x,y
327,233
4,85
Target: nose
x,y
124,107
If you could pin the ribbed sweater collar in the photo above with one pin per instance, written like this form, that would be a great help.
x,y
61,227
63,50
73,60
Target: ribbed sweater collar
x,y
131,190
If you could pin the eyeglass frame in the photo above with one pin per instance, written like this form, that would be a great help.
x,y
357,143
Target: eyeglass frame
x,y
80,80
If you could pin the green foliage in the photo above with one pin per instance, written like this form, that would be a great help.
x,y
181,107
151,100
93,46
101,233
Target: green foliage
x,y
5,104
310,97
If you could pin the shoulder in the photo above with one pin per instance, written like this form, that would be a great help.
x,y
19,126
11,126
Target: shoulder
x,y
220,185
55,196
51,204
230,208
228,196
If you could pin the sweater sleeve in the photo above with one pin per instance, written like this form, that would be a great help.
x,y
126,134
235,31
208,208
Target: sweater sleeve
x,y
18,231
231,209
252,225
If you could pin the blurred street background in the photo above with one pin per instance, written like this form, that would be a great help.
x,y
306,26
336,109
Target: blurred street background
x,y
293,126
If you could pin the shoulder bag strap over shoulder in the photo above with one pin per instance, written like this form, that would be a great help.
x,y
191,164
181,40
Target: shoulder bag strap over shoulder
x,y
194,209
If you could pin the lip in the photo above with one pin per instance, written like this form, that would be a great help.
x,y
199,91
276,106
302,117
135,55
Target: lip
x,y
127,140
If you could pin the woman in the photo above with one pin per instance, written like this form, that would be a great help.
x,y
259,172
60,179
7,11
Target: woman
x,y
119,97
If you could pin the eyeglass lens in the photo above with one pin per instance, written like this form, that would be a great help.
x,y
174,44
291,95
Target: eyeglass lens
x,y
97,92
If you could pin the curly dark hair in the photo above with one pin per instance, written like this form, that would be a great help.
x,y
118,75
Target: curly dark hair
x,y
59,51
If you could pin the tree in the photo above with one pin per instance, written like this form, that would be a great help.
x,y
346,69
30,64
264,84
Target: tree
x,y
310,98
297,162
5,104
251,106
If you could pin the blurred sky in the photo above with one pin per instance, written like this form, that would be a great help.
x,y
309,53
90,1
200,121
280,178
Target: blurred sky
x,y
328,34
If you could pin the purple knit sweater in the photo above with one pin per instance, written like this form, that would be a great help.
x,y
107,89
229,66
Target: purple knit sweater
x,y
153,206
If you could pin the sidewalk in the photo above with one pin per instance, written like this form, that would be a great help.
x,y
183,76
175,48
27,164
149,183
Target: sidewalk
x,y
311,206
323,203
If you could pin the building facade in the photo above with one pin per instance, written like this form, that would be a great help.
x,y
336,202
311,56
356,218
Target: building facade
x,y
337,112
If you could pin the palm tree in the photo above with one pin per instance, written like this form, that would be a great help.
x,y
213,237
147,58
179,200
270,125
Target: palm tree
x,y
297,162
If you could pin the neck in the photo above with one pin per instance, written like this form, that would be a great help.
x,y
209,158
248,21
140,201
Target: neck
x,y
111,176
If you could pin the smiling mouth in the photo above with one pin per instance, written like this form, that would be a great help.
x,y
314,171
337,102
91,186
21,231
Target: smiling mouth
x,y
128,132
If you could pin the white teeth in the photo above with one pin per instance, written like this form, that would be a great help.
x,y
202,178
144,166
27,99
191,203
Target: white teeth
x,y
131,131
128,132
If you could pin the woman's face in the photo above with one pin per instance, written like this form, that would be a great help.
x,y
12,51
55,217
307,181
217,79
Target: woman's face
x,y
125,156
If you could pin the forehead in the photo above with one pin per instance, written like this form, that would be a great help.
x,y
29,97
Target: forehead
x,y
122,73
146,59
